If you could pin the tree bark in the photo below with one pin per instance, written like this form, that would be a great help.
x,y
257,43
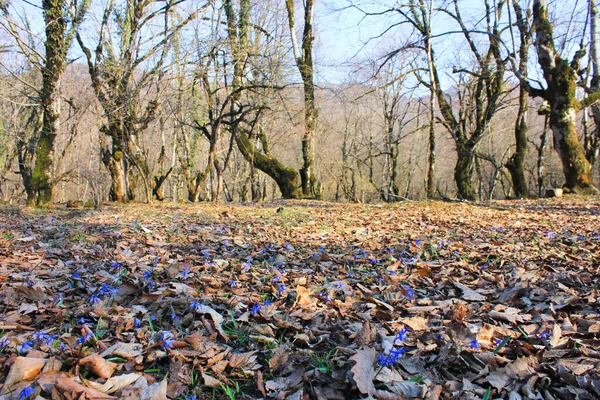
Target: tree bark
x,y
592,145
56,53
463,172
304,61
516,164
285,177
561,80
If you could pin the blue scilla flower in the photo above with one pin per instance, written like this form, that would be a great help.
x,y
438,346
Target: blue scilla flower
x,y
196,306
474,344
410,294
27,393
256,308
26,346
95,299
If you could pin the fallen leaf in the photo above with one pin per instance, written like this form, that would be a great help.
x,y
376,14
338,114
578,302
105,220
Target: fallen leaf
x,y
98,365
363,372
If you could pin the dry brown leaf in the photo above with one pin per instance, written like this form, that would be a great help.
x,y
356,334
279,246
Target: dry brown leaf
x,y
23,369
156,391
363,372
284,383
304,297
216,317
113,384
70,386
279,358
363,336
415,323
98,365
211,381
240,360
125,350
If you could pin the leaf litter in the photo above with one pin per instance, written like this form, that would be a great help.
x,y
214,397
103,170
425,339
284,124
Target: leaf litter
x,y
301,299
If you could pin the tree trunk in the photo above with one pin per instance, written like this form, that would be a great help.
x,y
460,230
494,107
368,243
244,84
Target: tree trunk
x,y
463,172
516,164
430,179
561,79
285,177
592,144
113,160
55,52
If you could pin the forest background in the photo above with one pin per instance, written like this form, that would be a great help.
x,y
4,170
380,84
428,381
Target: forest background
x,y
246,100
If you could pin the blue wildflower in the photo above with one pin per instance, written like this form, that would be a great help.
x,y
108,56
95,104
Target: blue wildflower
x,y
410,294
233,283
196,306
27,392
267,303
206,253
28,345
417,242
396,353
151,285
246,266
281,288
155,261
256,308
85,338
137,322
544,335
384,361
82,321
95,299
339,285
147,275
115,264
43,337
190,397
401,335
185,273
76,275
3,343
474,344
104,289
327,298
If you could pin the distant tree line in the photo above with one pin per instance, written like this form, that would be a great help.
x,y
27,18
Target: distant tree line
x,y
128,100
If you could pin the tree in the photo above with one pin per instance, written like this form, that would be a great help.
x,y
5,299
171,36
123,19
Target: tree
x,y
516,163
237,28
561,84
122,79
482,86
61,18
304,61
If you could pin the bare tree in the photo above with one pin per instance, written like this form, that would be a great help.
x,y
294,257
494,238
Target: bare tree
x,y
122,79
237,27
304,61
61,18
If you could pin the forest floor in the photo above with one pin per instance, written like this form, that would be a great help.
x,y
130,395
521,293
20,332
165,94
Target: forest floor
x,y
302,300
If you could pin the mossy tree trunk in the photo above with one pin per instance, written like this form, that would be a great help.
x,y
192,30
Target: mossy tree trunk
x,y
304,60
561,80
237,28
56,46
516,164
592,139
463,171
